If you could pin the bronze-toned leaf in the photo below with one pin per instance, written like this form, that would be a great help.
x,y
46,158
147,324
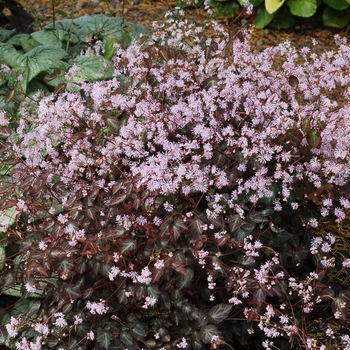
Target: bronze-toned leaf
x,y
294,136
61,87
52,76
10,95
5,132
209,82
293,81
119,198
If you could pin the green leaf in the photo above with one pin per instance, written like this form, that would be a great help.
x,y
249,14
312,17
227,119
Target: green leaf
x,y
305,125
126,338
227,8
139,330
104,338
50,37
302,8
219,313
118,231
34,86
2,257
337,4
110,48
207,332
8,218
153,291
314,139
29,43
62,13
68,26
263,18
257,217
16,40
3,335
33,308
235,222
102,26
134,30
273,5
178,227
283,18
6,34
184,281
47,56
128,245
93,68
334,18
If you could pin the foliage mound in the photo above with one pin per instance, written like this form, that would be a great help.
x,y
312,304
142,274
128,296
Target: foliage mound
x,y
178,203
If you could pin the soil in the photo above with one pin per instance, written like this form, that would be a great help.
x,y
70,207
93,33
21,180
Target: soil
x,y
145,12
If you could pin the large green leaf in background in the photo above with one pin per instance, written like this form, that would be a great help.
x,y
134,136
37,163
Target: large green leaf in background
x,y
302,8
263,18
283,18
336,19
337,4
102,26
273,5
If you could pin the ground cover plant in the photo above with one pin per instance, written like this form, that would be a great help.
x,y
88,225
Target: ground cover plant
x,y
179,202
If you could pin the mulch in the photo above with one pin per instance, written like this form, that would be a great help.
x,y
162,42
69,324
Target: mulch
x,y
145,12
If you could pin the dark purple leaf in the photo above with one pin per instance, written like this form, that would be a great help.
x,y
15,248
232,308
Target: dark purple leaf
x,y
293,81
208,332
219,313
294,136
235,222
5,132
259,297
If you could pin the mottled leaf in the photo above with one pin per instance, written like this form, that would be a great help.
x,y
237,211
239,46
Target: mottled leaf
x,y
208,332
139,330
128,245
219,312
235,222
126,338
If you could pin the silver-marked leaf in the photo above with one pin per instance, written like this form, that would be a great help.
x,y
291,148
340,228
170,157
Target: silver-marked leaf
x,y
235,222
102,26
208,332
178,227
219,313
257,217
104,339
128,245
93,68
119,198
126,338
139,330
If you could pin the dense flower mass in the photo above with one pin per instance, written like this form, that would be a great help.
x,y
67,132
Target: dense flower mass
x,y
162,207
